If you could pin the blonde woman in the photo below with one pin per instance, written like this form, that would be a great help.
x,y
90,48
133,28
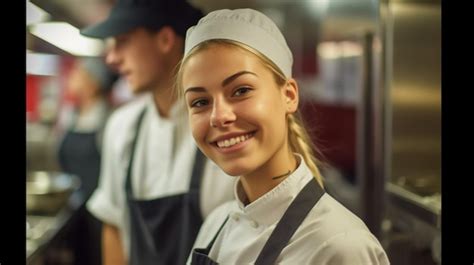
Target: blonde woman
x,y
235,78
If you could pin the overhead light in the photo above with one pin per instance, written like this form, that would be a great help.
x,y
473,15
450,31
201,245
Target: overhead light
x,y
351,49
329,50
34,14
41,64
67,38
335,50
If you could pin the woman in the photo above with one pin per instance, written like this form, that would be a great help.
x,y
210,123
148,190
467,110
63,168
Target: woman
x,y
79,153
235,78
89,85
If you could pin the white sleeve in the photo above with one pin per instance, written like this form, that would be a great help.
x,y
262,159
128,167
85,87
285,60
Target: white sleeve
x,y
356,247
107,203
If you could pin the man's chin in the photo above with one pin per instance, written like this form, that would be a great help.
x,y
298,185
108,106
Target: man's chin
x,y
137,89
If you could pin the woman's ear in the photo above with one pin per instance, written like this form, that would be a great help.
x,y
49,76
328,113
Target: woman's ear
x,y
165,39
290,90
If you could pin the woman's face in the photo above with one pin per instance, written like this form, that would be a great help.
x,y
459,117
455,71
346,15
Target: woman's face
x,y
237,112
81,85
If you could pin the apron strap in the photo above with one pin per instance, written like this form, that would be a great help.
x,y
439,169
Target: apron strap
x,y
208,249
200,256
199,162
194,193
289,223
128,181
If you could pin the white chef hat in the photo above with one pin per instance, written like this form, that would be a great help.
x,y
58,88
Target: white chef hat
x,y
246,26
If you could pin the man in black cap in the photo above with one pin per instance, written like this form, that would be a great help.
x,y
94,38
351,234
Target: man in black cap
x,y
155,185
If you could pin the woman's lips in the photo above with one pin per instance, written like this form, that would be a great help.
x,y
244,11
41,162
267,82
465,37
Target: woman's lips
x,y
233,143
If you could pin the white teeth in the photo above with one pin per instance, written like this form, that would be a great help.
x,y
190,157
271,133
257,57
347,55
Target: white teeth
x,y
233,141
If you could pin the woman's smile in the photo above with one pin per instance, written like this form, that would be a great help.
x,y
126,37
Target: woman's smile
x,y
232,142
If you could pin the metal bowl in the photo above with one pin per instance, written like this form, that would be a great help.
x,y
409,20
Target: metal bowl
x,y
48,192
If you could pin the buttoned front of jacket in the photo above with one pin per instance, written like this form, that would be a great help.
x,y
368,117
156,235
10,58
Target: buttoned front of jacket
x,y
322,238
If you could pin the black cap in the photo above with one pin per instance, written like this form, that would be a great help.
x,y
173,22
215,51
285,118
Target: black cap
x,y
127,15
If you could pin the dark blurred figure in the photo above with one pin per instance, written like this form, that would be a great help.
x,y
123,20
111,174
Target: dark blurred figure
x,y
89,85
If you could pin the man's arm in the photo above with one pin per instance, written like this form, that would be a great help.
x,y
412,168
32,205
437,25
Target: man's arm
x,y
112,251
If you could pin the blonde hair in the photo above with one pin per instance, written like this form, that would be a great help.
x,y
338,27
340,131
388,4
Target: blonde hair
x,y
298,137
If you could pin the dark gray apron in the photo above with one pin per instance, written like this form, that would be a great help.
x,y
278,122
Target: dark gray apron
x,y
163,230
79,155
286,227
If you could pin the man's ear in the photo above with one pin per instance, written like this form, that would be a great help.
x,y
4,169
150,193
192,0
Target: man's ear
x,y
291,95
165,39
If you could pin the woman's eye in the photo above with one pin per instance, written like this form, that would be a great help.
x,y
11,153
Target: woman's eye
x,y
198,103
242,90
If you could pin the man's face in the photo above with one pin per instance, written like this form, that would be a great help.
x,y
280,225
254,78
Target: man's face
x,y
137,57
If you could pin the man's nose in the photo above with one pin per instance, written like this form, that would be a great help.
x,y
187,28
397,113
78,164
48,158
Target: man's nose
x,y
111,58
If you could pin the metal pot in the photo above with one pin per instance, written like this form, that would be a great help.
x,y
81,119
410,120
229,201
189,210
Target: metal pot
x,y
48,192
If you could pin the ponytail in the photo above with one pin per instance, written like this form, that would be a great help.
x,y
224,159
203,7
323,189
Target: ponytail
x,y
300,142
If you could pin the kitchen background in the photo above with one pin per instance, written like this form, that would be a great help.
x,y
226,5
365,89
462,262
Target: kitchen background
x,y
369,74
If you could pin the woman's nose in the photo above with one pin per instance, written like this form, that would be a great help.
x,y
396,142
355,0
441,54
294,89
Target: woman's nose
x,y
222,114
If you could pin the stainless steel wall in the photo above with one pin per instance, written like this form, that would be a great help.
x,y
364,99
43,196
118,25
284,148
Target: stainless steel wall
x,y
415,88
413,133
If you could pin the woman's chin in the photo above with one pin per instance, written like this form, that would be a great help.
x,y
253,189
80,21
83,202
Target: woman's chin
x,y
234,170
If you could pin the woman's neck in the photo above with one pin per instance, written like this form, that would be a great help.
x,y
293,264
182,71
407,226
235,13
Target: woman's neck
x,y
269,175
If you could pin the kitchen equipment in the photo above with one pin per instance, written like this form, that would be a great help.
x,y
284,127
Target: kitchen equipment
x,y
47,191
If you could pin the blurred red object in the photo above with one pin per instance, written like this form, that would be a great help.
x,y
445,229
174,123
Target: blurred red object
x,y
32,97
332,128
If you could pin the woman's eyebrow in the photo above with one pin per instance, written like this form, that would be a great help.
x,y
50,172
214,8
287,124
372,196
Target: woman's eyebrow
x,y
234,76
224,83
195,89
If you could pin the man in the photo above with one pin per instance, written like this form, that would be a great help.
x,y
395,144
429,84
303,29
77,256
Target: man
x,y
151,196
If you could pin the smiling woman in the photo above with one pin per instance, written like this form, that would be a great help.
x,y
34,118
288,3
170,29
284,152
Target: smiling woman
x,y
243,112
241,102
261,88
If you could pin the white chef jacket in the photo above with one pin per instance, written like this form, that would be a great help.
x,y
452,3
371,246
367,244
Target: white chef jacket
x,y
330,234
163,163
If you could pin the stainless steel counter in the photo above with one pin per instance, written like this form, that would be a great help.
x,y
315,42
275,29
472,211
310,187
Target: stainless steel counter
x,y
414,226
42,230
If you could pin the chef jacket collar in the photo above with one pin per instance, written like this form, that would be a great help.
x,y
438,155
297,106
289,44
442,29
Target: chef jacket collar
x,y
270,207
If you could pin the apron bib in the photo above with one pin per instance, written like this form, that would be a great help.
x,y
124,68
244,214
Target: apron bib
x,y
163,230
281,235
79,155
